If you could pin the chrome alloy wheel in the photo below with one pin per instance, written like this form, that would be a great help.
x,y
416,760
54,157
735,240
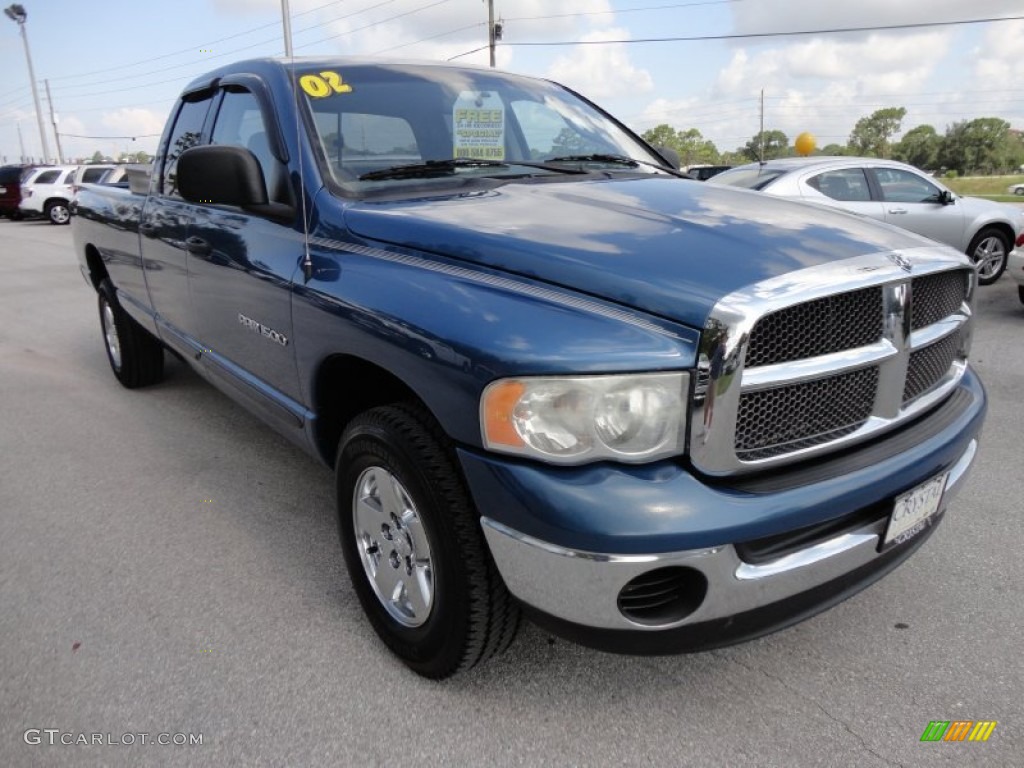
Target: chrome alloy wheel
x,y
393,546
110,334
989,255
59,214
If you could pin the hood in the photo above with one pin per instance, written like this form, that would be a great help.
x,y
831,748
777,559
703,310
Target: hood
x,y
662,245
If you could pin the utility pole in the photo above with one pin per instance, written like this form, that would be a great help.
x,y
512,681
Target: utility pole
x,y
491,37
760,151
17,13
53,119
21,143
286,19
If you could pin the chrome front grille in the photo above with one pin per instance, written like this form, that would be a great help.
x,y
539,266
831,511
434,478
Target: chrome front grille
x,y
828,356
930,364
783,419
937,296
813,328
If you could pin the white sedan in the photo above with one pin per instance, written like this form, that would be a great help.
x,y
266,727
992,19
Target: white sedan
x,y
1016,189
895,193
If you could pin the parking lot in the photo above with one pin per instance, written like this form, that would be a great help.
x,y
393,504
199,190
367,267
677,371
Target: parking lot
x,y
168,565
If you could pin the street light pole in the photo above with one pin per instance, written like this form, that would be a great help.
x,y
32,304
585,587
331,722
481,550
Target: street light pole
x,y
18,15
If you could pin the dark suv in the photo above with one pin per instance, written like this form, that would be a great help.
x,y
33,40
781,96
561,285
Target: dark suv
x,y
10,189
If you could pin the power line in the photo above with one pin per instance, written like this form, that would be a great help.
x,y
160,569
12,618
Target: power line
x,y
133,138
754,35
376,23
432,37
622,10
149,59
467,53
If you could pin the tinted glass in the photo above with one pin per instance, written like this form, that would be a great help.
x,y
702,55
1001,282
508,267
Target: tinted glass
x,y
46,177
748,178
92,175
10,174
240,123
849,184
899,186
187,134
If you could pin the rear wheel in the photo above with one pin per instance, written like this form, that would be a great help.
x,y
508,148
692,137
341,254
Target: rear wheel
x,y
988,250
57,212
136,357
414,547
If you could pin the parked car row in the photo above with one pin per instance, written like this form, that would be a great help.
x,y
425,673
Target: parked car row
x,y
28,191
895,193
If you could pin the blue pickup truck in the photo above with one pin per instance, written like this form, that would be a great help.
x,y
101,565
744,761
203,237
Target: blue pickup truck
x,y
552,377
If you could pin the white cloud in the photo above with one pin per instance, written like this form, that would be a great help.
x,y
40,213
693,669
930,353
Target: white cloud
x,y
771,15
1001,59
601,71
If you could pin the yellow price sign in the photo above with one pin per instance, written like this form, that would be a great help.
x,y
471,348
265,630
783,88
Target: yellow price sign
x,y
324,84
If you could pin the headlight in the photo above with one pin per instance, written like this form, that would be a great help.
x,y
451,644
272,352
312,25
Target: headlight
x,y
576,419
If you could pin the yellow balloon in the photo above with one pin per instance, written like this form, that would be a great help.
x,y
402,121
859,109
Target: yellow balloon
x,y
805,143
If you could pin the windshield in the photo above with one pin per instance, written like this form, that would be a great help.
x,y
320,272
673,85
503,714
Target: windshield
x,y
748,178
368,120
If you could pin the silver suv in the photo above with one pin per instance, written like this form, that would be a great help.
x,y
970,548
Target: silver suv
x,y
898,194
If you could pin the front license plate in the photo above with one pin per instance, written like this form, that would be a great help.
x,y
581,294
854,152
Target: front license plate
x,y
912,510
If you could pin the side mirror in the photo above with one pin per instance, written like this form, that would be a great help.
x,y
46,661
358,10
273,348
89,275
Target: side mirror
x,y
221,174
670,156
946,197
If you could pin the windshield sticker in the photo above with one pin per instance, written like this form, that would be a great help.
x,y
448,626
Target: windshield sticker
x,y
324,84
478,126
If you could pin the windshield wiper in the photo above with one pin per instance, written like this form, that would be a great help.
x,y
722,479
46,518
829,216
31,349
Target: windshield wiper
x,y
616,160
449,166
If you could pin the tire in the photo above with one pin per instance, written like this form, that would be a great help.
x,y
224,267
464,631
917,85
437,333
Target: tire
x,y
402,500
57,212
136,357
1019,191
1020,293
988,250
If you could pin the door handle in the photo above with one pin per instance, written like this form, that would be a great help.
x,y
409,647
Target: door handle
x,y
197,246
147,229
897,210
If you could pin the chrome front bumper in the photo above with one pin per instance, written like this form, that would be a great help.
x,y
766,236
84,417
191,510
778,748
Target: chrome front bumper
x,y
582,588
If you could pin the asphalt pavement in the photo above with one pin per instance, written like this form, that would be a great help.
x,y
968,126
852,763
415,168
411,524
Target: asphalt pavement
x,y
169,565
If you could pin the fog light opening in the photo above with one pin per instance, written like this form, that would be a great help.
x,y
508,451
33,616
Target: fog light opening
x,y
663,596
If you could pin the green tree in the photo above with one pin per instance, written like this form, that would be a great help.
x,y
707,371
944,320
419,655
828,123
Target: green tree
x,y
776,144
663,135
977,146
832,149
695,149
919,146
871,134
97,157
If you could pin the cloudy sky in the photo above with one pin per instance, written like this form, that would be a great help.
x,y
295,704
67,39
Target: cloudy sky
x,y
115,66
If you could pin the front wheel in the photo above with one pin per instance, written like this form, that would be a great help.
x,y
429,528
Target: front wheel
x,y
988,250
414,547
57,212
136,357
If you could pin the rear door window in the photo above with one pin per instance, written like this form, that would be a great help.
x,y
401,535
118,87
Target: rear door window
x,y
847,184
93,175
46,177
